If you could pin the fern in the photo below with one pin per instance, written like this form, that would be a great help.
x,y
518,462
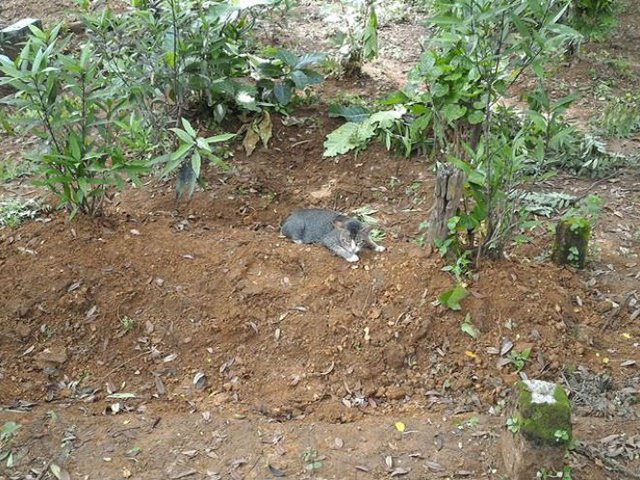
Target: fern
x,y
356,136
546,204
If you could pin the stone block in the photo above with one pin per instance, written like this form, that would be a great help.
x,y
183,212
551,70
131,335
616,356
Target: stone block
x,y
542,418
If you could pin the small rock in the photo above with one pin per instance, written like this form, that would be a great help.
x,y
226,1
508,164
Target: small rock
x,y
396,393
394,355
54,356
604,306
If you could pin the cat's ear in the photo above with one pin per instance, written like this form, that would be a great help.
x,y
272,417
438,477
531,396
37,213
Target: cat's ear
x,y
339,222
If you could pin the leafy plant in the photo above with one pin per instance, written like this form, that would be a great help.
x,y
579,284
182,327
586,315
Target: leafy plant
x,y
356,135
594,18
357,36
311,460
65,99
282,72
562,436
127,323
565,474
519,359
621,117
452,298
513,425
7,432
14,211
187,158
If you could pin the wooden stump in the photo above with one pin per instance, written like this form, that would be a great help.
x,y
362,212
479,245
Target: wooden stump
x,y
448,192
572,242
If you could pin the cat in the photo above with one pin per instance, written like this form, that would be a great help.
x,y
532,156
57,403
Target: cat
x,y
343,235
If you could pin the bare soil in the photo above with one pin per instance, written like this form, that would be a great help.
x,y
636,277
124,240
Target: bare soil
x,y
303,362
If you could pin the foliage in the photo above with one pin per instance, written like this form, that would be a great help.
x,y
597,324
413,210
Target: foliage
x,y
282,72
452,108
186,55
65,99
452,298
519,359
621,117
108,107
187,158
10,169
357,35
594,18
192,58
546,204
14,211
356,135
7,433
513,425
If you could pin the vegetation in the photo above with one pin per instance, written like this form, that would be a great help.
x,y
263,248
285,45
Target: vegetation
x,y
108,109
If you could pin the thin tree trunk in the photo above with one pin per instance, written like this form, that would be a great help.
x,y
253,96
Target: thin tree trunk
x,y
448,193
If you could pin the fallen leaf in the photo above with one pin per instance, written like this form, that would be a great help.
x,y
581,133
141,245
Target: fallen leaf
x,y
265,129
401,427
400,471
276,472
199,381
434,466
122,396
250,141
59,473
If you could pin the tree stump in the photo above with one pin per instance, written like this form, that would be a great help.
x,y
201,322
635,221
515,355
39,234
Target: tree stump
x,y
541,430
448,192
572,241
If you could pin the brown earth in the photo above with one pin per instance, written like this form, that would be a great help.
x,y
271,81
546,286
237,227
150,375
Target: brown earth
x,y
308,361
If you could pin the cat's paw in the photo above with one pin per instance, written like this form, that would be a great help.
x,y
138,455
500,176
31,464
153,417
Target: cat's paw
x,y
380,248
353,258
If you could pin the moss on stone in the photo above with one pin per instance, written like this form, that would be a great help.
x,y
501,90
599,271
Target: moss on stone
x,y
539,422
572,241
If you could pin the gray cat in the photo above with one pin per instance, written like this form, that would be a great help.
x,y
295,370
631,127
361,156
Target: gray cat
x,y
342,235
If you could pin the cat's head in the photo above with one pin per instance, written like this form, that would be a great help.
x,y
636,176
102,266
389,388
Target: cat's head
x,y
352,234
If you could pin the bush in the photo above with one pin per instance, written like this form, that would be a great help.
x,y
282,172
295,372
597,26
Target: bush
x,y
68,101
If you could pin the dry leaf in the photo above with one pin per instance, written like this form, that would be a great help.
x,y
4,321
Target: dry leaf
x,y
265,129
276,472
400,471
250,141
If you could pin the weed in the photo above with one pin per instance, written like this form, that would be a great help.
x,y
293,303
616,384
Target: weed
x,y
519,359
621,117
513,425
14,211
452,298
561,436
11,170
127,324
311,460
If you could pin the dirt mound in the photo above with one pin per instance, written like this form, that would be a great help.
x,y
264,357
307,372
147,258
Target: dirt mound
x,y
146,298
